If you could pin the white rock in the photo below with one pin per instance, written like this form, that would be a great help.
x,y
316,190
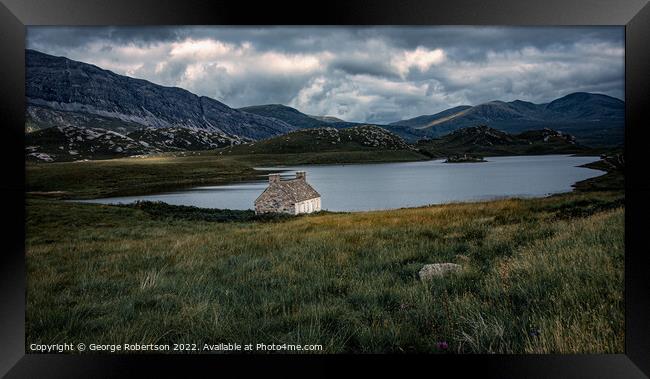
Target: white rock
x,y
433,270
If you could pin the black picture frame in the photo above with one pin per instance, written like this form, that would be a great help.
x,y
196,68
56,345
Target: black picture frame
x,y
634,14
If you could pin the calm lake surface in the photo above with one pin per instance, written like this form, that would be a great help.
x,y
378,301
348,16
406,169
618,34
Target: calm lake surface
x,y
363,187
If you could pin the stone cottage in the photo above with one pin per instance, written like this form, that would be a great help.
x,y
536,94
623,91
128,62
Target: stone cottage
x,y
293,196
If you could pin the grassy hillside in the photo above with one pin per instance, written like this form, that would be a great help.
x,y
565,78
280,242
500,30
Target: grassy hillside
x,y
540,276
613,163
359,138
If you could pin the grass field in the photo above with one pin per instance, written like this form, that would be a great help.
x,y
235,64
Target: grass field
x,y
539,275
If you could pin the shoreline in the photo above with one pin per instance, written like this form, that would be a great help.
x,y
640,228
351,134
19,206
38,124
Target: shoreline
x,y
327,211
250,169
131,199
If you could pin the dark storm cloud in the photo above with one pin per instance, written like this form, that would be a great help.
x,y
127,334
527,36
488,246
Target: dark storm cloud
x,y
363,66
306,39
374,74
78,36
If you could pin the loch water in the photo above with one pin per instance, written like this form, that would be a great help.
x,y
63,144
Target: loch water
x,y
364,187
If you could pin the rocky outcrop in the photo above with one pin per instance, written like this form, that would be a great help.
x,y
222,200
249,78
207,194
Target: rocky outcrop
x,y
438,270
176,139
546,135
68,143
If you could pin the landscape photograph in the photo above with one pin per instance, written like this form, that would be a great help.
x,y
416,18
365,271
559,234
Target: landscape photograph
x,y
325,190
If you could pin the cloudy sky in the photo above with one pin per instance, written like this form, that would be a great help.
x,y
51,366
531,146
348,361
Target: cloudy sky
x,y
378,74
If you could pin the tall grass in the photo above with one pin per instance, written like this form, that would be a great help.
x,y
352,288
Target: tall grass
x,y
539,276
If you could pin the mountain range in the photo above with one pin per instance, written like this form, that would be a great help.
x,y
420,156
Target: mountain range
x,y
61,91
594,119
78,110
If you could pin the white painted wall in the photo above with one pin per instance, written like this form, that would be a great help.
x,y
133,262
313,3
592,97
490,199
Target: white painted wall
x,y
308,206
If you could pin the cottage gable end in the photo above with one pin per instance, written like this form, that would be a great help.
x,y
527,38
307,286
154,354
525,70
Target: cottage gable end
x,y
288,196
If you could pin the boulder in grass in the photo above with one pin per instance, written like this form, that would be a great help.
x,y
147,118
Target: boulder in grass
x,y
435,270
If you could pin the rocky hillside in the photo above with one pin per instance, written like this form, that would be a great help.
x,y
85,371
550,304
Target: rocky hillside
x,y
39,118
484,141
366,137
175,139
68,143
63,92
593,118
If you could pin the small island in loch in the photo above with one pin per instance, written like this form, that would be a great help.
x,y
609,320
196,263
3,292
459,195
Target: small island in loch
x,y
464,158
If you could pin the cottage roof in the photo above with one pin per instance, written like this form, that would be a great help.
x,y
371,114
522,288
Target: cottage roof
x,y
294,190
